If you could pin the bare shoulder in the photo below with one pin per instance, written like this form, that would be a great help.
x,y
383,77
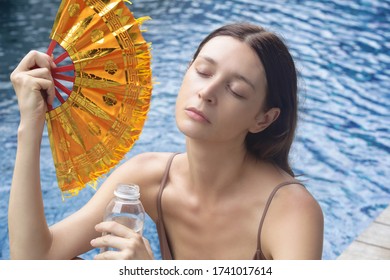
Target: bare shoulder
x,y
295,224
295,199
145,167
145,170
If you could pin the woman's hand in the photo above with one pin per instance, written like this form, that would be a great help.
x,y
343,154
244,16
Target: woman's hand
x,y
34,86
130,245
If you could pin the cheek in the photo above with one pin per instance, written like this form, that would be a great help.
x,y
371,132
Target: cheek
x,y
241,115
182,96
186,90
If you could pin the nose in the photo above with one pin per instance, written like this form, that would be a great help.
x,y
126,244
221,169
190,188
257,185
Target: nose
x,y
208,92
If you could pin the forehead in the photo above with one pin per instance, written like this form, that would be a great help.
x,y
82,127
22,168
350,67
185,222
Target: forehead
x,y
234,54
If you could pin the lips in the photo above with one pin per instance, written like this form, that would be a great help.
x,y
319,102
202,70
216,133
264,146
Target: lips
x,y
196,114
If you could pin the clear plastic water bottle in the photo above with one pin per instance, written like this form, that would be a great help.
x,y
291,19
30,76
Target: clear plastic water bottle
x,y
126,209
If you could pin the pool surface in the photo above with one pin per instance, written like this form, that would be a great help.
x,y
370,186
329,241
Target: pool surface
x,y
342,50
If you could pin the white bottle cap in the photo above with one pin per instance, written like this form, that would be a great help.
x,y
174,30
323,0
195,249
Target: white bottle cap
x,y
125,191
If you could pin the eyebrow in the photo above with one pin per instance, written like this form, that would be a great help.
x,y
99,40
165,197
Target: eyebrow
x,y
236,75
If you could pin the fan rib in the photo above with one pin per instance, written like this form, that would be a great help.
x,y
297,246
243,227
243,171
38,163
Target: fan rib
x,y
59,96
62,87
64,68
61,57
63,77
51,47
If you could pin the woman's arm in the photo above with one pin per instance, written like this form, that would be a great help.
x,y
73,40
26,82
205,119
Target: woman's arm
x,y
80,231
29,235
28,232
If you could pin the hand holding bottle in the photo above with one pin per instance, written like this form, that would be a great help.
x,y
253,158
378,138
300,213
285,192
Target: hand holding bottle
x,y
129,244
122,227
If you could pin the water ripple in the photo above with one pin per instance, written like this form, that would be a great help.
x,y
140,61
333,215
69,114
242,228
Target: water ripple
x,y
342,52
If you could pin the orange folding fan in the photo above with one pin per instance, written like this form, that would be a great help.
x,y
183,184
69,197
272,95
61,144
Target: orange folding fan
x,y
103,85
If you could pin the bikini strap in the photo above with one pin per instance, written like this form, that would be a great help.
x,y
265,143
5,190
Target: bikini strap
x,y
163,183
259,252
166,253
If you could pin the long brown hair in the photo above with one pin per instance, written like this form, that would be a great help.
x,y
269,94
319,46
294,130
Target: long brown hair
x,y
272,144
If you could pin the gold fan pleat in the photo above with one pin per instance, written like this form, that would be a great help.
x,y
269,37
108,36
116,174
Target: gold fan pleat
x,y
104,115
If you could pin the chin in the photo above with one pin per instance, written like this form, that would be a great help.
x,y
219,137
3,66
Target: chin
x,y
192,131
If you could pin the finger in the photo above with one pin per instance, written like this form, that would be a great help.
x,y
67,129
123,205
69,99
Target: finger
x,y
117,242
102,241
35,59
44,84
116,229
130,249
48,87
109,255
148,247
43,73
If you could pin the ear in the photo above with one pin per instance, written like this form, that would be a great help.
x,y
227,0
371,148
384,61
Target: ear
x,y
263,120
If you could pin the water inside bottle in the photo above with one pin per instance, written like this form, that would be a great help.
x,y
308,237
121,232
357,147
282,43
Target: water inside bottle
x,y
133,221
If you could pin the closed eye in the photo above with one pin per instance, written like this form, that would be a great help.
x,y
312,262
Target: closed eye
x,y
203,73
235,94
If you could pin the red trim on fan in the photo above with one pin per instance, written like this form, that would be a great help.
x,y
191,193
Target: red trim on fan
x,y
51,47
62,100
61,57
64,68
62,87
63,77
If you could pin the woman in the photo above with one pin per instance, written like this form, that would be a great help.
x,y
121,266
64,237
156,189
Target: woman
x,y
232,195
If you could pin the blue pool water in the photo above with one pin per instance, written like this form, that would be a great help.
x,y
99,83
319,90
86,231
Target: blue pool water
x,y
342,50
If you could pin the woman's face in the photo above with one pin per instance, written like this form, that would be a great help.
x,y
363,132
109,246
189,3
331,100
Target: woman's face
x,y
223,91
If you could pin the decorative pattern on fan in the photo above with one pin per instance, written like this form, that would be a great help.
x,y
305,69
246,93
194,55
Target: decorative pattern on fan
x,y
103,89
